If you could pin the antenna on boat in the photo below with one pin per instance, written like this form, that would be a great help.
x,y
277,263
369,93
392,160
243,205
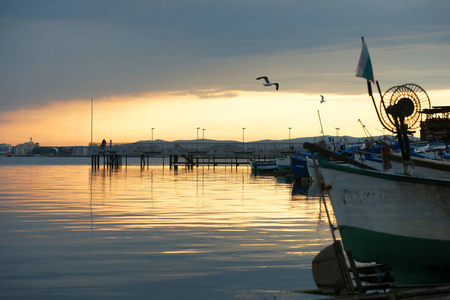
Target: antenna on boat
x,y
366,132
321,127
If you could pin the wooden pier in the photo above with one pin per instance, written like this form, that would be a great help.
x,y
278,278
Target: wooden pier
x,y
111,159
146,155
191,161
190,154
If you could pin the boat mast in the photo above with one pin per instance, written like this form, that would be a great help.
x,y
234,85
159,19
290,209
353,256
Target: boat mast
x,y
92,122
321,127
366,132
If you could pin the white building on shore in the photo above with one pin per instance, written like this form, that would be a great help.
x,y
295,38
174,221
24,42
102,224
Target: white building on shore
x,y
26,148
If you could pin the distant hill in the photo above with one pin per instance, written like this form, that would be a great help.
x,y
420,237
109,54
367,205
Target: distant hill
x,y
345,139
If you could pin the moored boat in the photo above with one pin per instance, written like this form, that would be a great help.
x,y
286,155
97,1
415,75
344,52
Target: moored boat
x,y
398,220
299,167
283,163
313,171
420,166
263,166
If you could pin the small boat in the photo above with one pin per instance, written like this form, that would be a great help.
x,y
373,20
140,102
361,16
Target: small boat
x,y
299,167
313,172
263,166
371,160
420,166
283,163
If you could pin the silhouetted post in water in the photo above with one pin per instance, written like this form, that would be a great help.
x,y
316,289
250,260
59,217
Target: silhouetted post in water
x,y
95,161
110,160
142,161
175,162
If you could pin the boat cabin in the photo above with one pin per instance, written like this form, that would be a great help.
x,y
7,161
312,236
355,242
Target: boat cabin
x,y
436,125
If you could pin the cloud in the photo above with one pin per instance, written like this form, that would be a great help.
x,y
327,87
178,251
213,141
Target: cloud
x,y
209,94
63,50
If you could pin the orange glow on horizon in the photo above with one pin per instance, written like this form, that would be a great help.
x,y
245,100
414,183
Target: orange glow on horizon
x,y
176,116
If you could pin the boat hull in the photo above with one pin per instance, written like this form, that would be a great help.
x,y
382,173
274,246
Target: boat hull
x,y
397,220
299,167
263,166
413,260
283,163
314,173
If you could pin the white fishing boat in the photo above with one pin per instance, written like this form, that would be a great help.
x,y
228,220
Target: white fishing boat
x,y
314,172
283,163
398,220
420,166
391,162
399,217
401,220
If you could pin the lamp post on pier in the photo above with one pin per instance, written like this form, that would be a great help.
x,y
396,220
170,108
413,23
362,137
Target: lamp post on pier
x,y
153,128
243,138
197,137
203,138
337,134
290,136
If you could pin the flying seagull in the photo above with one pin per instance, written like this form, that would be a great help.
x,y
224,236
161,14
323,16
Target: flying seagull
x,y
322,100
268,83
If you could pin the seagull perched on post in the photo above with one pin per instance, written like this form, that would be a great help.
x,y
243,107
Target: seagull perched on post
x,y
322,100
268,83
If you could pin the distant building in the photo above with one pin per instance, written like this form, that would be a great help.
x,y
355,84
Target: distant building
x,y
5,149
80,151
26,148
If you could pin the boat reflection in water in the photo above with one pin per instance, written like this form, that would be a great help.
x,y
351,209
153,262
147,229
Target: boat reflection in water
x,y
300,189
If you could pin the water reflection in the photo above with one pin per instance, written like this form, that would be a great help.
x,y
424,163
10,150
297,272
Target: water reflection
x,y
311,190
201,233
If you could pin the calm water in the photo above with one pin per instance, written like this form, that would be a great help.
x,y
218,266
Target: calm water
x,y
71,233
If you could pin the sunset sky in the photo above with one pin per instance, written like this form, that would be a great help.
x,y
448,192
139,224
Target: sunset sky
x,y
178,65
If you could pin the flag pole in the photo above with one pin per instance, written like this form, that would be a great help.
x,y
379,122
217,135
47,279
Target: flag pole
x,y
369,88
365,70
92,124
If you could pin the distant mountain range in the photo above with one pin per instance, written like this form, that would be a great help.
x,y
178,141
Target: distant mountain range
x,y
345,139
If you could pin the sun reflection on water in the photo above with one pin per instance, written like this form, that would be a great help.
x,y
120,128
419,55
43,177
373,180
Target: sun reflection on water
x,y
200,223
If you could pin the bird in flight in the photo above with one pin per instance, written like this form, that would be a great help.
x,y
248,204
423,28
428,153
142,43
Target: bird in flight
x,y
268,83
322,100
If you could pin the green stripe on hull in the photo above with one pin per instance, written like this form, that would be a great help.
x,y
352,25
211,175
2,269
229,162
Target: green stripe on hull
x,y
413,261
